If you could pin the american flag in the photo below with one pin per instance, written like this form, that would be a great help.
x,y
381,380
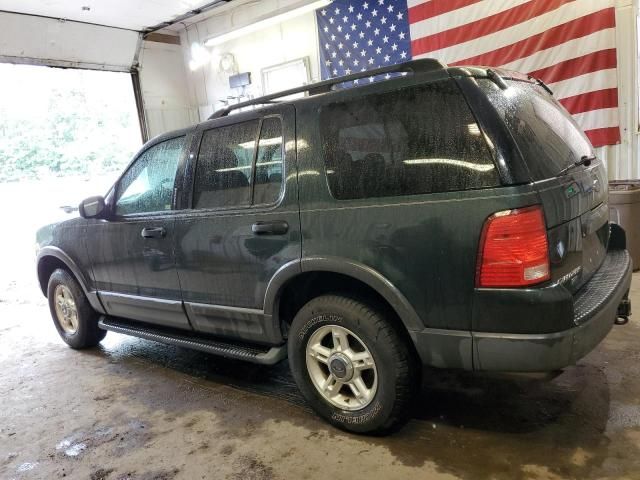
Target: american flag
x,y
569,44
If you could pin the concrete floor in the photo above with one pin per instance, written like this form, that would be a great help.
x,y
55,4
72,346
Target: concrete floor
x,y
136,409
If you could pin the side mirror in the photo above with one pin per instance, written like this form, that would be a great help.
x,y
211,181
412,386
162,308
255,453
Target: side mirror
x,y
92,207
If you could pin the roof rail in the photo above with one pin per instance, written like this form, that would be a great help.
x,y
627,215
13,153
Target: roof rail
x,y
415,66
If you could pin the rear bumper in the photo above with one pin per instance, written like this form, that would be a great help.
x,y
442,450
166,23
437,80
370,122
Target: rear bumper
x,y
594,312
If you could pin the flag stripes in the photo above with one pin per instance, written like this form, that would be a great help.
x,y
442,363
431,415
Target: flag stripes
x,y
570,44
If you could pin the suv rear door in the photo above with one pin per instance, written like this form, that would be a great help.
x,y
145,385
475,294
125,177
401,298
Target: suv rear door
x,y
241,223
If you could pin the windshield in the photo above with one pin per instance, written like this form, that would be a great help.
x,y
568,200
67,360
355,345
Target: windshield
x,y
545,132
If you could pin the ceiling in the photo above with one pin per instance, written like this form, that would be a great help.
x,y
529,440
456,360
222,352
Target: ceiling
x,y
129,14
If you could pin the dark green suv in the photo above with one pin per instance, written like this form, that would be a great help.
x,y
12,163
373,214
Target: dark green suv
x,y
433,216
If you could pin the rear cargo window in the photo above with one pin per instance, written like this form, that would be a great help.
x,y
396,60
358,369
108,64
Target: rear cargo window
x,y
411,141
545,132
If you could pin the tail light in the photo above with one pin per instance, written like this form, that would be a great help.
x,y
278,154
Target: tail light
x,y
513,249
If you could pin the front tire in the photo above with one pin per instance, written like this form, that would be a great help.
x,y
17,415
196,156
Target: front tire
x,y
73,316
352,366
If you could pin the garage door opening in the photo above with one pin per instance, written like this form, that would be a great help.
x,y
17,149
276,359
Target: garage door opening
x,y
65,134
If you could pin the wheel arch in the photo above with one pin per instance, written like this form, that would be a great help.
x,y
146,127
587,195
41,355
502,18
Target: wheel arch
x,y
52,258
340,272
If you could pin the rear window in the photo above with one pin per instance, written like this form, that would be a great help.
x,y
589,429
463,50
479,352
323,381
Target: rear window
x,y
545,132
411,141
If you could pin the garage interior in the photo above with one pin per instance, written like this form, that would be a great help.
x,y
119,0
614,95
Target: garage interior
x,y
136,409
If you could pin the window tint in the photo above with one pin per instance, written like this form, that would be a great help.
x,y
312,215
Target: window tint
x,y
148,185
269,162
224,166
415,140
547,135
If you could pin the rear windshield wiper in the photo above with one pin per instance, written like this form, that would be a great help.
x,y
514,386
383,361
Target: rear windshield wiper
x,y
584,160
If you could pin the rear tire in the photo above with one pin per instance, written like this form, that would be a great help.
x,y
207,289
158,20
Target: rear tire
x,y
73,316
352,365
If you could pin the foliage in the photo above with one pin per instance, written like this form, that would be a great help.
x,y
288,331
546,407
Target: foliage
x,y
74,134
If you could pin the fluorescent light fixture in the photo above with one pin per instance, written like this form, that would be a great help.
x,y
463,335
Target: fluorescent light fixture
x,y
274,18
449,161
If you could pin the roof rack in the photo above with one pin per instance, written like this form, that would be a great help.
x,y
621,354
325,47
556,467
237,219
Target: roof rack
x,y
415,66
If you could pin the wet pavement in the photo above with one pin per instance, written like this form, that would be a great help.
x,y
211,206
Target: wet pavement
x,y
135,409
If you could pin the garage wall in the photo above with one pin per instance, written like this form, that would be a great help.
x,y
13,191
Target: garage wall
x,y
623,160
48,41
165,91
290,40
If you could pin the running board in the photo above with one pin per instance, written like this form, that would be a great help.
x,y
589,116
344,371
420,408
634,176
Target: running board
x,y
255,354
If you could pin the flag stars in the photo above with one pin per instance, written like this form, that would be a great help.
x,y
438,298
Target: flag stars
x,y
403,54
368,24
327,62
365,5
335,71
369,42
394,47
347,54
392,27
331,20
333,37
387,58
359,16
400,16
351,9
387,76
323,12
347,71
356,62
374,12
326,46
361,34
341,62
353,26
347,36
333,54
383,20
401,35
339,28
355,44
363,52
376,32
390,8
340,45
326,29
371,60
380,2
378,50
385,39
370,79
337,10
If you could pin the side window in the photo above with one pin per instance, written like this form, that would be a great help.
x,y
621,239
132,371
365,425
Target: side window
x,y
223,171
268,179
416,140
148,185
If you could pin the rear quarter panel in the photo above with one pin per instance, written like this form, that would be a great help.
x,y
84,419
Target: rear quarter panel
x,y
425,245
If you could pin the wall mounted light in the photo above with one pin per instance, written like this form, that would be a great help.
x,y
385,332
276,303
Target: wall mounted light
x,y
199,56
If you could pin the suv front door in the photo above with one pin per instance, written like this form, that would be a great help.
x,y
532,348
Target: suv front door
x,y
132,252
243,222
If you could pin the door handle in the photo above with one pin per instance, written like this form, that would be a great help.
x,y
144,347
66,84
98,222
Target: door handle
x,y
278,227
153,232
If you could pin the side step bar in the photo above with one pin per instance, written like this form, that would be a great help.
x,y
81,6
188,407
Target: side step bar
x,y
255,354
